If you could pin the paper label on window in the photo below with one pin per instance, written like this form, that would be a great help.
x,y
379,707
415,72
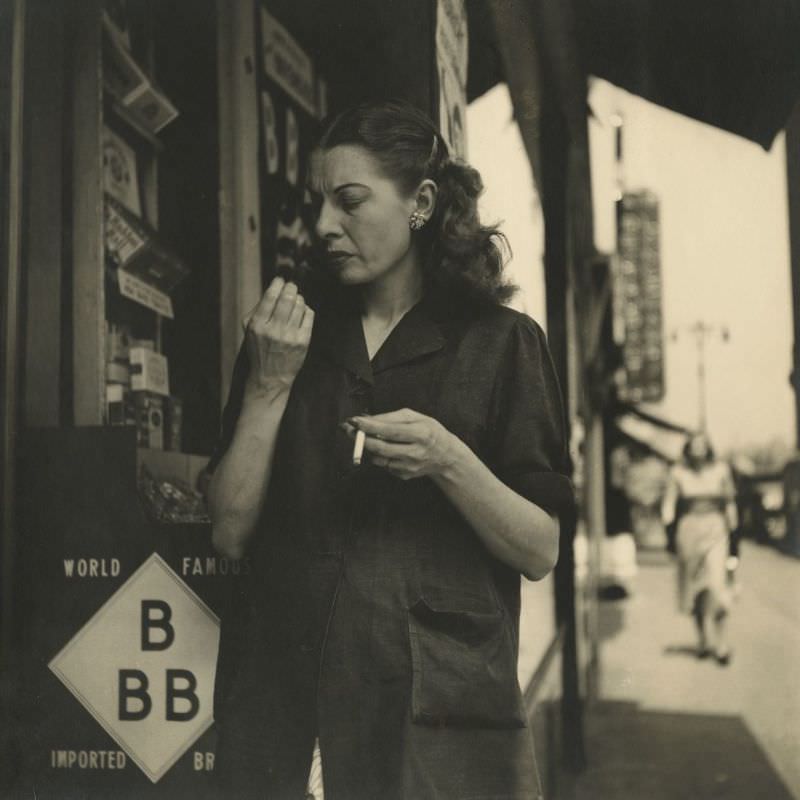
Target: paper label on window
x,y
144,294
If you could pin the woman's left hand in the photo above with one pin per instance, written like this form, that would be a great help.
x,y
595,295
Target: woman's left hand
x,y
406,443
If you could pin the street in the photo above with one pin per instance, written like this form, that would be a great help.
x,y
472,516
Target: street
x,y
668,725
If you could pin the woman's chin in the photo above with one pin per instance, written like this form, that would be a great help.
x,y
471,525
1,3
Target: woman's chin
x,y
352,277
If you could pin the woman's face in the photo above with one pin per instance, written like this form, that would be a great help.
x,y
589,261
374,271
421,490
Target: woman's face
x,y
363,217
699,448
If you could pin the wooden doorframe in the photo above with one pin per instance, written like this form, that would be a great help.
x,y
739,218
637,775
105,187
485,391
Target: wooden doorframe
x,y
10,336
88,278
239,203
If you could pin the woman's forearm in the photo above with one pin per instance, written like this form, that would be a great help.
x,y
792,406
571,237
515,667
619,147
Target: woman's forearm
x,y
277,336
669,502
732,515
513,529
239,485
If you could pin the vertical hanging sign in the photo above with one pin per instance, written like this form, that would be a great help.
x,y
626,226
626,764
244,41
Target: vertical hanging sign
x,y
451,65
637,300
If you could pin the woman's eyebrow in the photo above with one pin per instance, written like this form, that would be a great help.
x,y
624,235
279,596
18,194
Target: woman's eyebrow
x,y
350,185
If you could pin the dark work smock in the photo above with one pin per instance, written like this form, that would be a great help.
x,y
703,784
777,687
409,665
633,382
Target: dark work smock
x,y
373,616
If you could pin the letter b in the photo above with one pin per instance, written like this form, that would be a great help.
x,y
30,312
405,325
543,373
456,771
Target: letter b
x,y
187,693
162,623
138,692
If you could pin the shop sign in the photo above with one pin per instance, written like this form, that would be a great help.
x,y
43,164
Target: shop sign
x,y
638,326
286,63
143,666
122,238
147,269
451,61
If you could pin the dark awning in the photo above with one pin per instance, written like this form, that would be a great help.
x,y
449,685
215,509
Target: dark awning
x,y
734,64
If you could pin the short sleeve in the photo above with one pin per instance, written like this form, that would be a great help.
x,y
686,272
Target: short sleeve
x,y
233,408
529,430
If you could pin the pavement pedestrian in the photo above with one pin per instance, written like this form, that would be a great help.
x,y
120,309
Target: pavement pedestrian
x,y
700,502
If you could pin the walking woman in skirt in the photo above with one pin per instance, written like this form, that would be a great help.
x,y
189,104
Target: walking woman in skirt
x,y
700,501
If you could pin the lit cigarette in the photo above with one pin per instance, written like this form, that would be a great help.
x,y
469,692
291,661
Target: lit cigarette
x,y
358,447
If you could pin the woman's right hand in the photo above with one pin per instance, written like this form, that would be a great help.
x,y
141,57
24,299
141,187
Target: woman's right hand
x,y
277,334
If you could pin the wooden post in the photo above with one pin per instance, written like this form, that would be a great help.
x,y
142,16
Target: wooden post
x,y
41,393
562,339
793,184
549,92
9,302
563,73
239,206
88,274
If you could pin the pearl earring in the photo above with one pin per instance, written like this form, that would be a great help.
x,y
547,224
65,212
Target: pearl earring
x,y
416,220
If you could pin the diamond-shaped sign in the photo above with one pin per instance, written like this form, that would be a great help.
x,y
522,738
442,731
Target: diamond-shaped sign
x,y
143,666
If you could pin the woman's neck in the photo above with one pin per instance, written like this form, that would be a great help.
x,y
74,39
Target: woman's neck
x,y
389,297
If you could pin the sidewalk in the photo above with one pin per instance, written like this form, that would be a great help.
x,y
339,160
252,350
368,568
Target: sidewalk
x,y
670,727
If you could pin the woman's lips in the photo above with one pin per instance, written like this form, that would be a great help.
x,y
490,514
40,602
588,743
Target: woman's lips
x,y
337,257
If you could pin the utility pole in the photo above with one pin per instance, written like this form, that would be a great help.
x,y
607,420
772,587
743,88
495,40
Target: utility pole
x,y
702,331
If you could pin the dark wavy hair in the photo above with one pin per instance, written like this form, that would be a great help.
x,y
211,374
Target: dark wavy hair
x,y
463,259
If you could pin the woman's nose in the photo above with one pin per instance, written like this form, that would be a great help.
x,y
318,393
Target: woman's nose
x,y
327,226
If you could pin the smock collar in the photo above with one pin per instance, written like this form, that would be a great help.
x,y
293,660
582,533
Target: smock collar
x,y
417,334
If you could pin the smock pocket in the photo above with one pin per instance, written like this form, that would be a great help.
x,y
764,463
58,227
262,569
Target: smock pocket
x,y
464,669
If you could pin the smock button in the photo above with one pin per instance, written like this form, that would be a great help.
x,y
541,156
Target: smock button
x,y
361,394
359,387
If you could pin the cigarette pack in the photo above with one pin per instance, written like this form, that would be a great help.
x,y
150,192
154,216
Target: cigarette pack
x,y
174,423
149,371
118,339
126,81
152,109
119,405
120,177
119,373
122,76
115,404
149,420
135,247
